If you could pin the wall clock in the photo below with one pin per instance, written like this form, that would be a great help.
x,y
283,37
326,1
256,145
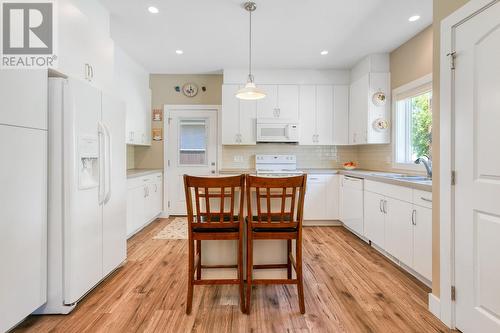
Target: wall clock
x,y
190,89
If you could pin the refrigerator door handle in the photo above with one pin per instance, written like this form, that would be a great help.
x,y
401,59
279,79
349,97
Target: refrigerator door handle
x,y
102,162
107,162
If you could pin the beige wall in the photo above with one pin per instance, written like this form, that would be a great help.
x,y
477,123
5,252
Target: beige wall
x,y
441,8
412,60
163,92
409,62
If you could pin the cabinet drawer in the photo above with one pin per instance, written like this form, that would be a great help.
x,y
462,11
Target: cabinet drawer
x,y
353,183
422,198
392,191
316,178
139,181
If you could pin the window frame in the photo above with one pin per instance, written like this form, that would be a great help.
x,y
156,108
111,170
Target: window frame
x,y
406,89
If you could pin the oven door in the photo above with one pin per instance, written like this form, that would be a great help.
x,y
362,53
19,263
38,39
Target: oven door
x,y
277,132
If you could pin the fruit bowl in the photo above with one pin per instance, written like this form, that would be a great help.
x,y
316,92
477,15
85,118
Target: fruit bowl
x,y
350,166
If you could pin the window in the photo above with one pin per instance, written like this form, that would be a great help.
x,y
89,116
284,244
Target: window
x,y
192,142
412,122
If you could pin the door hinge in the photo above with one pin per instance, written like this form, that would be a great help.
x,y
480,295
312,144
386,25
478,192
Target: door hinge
x,y
453,57
453,293
453,177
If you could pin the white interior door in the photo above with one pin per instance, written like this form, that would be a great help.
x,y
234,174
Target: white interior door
x,y
191,149
477,162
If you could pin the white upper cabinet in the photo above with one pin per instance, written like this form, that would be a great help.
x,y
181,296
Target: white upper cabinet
x,y
238,118
281,101
307,119
358,111
323,110
369,78
324,115
248,122
341,115
131,85
267,107
85,47
288,102
317,100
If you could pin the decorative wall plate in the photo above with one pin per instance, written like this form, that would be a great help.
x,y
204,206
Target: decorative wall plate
x,y
380,124
379,98
190,89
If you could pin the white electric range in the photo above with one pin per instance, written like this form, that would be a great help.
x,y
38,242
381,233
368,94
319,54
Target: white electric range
x,y
276,165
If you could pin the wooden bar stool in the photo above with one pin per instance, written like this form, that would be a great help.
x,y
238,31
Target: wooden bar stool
x,y
211,221
284,224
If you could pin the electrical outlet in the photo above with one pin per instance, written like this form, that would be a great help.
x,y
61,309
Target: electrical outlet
x,y
238,159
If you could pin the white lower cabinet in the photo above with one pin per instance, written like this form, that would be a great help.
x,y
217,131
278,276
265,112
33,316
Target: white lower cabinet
x,y
398,220
374,218
322,197
422,241
399,230
144,201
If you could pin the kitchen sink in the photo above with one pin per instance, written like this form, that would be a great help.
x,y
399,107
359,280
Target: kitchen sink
x,y
412,178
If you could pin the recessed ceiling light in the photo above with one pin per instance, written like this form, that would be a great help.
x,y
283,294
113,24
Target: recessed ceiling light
x,y
324,52
153,10
414,18
179,51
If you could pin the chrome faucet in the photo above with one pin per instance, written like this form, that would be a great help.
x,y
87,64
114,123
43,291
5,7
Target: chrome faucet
x,y
427,162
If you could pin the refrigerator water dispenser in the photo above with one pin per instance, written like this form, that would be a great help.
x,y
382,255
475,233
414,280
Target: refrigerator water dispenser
x,y
88,162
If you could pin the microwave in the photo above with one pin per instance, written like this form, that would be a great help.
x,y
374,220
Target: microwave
x,y
277,130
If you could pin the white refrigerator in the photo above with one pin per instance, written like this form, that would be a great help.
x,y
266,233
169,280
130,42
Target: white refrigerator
x,y
87,191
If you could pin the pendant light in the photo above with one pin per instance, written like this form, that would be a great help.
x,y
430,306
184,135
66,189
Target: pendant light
x,y
250,91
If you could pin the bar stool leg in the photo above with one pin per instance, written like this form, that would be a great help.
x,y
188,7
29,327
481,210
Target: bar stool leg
x,y
289,262
240,272
198,252
189,301
249,268
300,285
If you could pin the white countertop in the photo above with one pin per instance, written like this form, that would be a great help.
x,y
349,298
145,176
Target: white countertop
x,y
365,174
132,173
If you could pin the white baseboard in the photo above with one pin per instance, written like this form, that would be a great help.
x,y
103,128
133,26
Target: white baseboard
x,y
434,305
329,223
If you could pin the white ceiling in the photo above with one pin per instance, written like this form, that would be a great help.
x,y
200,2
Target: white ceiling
x,y
286,33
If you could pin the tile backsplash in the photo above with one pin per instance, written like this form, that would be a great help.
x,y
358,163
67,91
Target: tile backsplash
x,y
243,157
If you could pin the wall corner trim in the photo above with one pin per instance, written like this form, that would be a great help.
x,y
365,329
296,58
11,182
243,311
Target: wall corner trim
x,y
435,305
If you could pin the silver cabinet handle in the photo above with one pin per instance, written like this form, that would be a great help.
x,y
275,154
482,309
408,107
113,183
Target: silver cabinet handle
x,y
414,217
425,199
156,188
380,206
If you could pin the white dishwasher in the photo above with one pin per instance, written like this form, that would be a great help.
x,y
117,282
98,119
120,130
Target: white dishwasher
x,y
352,203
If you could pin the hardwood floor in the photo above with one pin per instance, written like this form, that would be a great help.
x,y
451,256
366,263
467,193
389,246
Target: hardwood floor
x,y
349,287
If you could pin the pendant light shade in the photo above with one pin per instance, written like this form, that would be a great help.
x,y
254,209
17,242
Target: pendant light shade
x,y
250,91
